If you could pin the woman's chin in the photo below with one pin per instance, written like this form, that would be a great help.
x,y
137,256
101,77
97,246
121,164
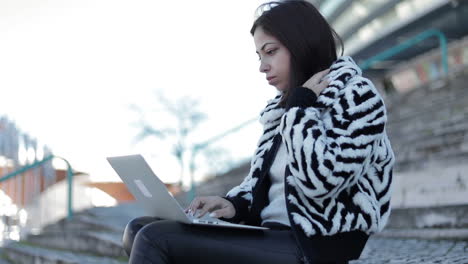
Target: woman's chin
x,y
280,89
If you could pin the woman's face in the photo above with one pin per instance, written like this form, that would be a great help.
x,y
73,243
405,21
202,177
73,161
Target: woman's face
x,y
274,59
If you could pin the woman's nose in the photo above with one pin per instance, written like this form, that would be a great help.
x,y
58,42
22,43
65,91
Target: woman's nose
x,y
264,67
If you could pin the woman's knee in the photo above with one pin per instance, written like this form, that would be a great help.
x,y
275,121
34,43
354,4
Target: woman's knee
x,y
132,228
157,229
160,236
154,242
160,231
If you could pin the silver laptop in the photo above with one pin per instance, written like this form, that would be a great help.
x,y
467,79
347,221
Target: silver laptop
x,y
153,196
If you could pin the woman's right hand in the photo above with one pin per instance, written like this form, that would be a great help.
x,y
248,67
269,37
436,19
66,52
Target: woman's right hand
x,y
317,83
217,206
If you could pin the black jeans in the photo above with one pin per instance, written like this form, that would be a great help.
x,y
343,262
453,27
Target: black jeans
x,y
151,240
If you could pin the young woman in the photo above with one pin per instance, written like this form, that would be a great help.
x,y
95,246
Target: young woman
x,y
321,175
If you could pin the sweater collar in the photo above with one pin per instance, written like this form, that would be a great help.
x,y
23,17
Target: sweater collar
x,y
272,112
341,71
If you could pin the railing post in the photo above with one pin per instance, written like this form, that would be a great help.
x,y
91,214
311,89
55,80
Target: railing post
x,y
443,50
70,192
69,189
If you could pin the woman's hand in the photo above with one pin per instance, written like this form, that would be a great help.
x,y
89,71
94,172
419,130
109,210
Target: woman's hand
x,y
316,83
219,207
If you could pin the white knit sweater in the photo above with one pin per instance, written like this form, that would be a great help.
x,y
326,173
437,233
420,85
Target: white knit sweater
x,y
276,211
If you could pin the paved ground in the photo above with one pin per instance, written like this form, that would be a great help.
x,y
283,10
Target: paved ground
x,y
395,246
405,251
399,246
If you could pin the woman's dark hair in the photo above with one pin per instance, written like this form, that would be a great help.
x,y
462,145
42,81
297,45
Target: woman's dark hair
x,y
300,27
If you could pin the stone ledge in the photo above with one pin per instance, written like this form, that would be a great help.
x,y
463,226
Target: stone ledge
x,y
84,222
449,216
94,242
426,233
4,261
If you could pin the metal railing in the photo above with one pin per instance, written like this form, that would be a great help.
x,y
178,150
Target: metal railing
x,y
408,44
203,145
37,164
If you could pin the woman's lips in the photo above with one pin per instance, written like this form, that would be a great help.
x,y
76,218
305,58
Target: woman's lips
x,y
271,80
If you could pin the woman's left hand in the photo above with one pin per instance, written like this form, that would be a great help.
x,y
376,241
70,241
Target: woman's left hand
x,y
218,206
316,83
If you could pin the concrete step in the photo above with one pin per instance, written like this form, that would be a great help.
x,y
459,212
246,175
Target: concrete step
x,y
84,222
436,140
120,213
3,258
438,133
414,156
4,261
95,242
433,120
426,96
440,111
422,163
426,233
433,127
26,254
452,113
425,104
430,102
113,219
411,109
433,217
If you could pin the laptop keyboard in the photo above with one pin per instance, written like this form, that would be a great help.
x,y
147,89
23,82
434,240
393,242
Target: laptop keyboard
x,y
206,219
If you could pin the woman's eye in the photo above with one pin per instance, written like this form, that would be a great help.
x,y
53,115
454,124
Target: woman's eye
x,y
268,52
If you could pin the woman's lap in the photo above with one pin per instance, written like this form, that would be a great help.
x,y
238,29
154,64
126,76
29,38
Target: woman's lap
x,y
172,242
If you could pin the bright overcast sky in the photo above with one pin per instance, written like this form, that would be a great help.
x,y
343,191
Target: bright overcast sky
x,y
70,69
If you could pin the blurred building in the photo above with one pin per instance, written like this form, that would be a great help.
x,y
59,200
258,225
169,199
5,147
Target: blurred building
x,y
17,150
32,195
370,27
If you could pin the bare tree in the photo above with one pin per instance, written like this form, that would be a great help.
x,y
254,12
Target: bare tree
x,y
188,118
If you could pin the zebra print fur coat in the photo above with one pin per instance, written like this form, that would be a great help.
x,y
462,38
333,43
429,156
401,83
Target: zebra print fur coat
x,y
339,164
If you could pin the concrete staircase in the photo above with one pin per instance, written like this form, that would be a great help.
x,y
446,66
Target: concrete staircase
x,y
430,123
91,237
